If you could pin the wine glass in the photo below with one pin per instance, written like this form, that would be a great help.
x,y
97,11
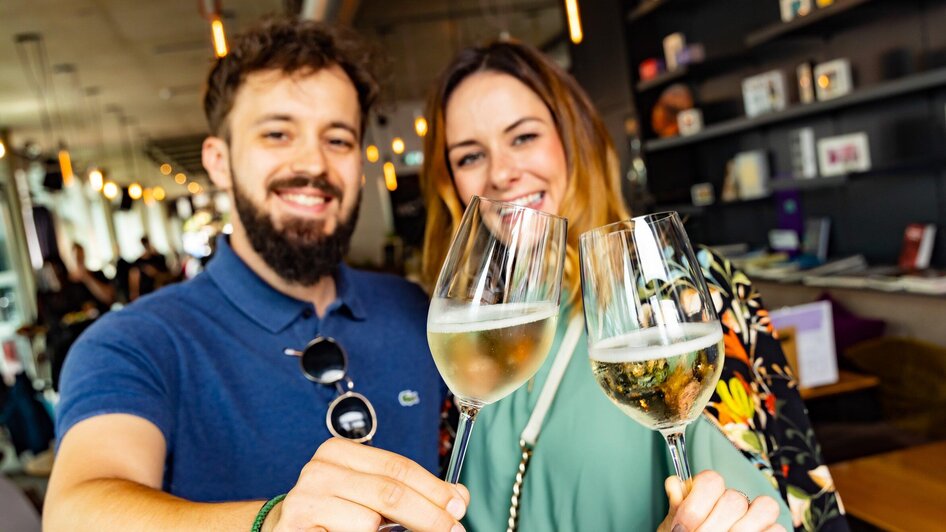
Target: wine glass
x,y
494,310
655,341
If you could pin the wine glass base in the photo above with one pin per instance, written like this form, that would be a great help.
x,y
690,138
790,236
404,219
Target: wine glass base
x,y
392,527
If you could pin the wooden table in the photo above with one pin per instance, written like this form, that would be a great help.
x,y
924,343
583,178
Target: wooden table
x,y
847,382
900,490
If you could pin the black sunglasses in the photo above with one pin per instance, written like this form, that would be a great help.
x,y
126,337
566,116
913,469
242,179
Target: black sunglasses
x,y
350,415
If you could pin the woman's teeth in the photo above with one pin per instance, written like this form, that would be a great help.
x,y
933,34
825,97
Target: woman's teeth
x,y
307,201
529,200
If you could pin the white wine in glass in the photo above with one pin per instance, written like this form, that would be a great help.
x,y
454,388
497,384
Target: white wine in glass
x,y
655,341
495,307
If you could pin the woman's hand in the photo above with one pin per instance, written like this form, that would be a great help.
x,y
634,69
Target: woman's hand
x,y
709,506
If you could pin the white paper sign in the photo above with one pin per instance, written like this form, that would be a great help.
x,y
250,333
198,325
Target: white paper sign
x,y
814,340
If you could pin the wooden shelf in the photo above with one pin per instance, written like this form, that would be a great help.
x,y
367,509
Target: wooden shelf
x,y
663,79
889,89
811,21
848,381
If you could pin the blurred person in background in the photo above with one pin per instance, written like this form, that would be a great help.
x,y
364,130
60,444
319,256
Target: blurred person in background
x,y
190,408
508,124
149,271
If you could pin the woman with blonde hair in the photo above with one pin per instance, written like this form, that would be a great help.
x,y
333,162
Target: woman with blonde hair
x,y
508,124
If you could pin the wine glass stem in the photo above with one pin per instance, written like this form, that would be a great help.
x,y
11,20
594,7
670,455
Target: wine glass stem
x,y
467,417
678,453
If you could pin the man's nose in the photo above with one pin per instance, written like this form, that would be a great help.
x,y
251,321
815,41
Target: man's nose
x,y
309,159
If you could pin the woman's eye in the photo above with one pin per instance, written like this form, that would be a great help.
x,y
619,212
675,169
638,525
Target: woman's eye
x,y
525,137
468,159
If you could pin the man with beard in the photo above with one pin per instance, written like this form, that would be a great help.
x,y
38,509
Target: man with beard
x,y
190,408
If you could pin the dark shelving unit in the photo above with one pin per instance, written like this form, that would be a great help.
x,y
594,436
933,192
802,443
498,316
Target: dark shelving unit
x,y
910,84
808,22
645,8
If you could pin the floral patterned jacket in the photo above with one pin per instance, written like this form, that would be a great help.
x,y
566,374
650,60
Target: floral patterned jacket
x,y
757,405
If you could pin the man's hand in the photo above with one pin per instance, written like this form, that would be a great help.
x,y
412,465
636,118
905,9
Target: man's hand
x,y
349,486
709,506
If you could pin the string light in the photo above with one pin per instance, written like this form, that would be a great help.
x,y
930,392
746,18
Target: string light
x,y
180,179
3,150
397,145
158,193
134,191
110,190
372,153
96,179
193,187
166,169
420,126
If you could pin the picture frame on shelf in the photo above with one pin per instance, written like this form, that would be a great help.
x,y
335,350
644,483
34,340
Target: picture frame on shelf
x,y
751,169
792,9
844,154
806,82
702,194
690,122
803,152
764,93
833,79
673,44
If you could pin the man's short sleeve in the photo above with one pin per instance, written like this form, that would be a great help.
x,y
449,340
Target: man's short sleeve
x,y
123,364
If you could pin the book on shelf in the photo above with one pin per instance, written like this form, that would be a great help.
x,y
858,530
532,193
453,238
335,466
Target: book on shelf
x,y
808,266
925,282
917,247
885,278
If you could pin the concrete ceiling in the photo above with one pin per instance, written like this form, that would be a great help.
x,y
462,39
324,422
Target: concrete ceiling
x,y
132,96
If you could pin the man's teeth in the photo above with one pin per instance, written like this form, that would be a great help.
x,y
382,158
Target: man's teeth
x,y
305,200
528,200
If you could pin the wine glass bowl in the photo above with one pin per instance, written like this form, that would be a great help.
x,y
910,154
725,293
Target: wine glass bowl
x,y
655,341
495,307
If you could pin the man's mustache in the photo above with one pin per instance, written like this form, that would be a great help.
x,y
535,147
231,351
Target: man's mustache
x,y
302,181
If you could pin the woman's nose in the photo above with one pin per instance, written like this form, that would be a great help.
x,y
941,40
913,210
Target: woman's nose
x,y
504,171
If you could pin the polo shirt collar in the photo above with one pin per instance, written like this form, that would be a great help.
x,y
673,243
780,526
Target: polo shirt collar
x,y
262,303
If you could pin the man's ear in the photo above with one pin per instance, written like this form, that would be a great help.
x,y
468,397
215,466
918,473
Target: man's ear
x,y
215,155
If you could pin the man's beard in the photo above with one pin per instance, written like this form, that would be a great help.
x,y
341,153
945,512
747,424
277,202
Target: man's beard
x,y
300,253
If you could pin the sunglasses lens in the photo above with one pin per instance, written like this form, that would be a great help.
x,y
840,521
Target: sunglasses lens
x,y
324,362
351,417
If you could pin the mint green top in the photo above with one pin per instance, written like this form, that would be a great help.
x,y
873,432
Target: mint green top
x,y
593,467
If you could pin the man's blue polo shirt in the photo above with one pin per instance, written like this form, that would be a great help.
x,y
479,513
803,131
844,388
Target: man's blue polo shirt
x,y
204,362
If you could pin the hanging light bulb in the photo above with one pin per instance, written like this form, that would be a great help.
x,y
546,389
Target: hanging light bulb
x,y
180,178
372,153
390,176
65,166
193,187
574,21
166,169
96,179
158,193
110,190
420,126
397,145
148,196
219,38
3,149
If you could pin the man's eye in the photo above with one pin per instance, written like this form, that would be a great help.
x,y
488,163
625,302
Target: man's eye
x,y
341,143
275,135
469,159
525,137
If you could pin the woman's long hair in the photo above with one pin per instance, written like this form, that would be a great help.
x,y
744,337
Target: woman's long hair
x,y
593,191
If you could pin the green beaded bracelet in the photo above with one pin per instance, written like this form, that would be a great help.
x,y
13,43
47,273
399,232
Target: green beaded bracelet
x,y
264,511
